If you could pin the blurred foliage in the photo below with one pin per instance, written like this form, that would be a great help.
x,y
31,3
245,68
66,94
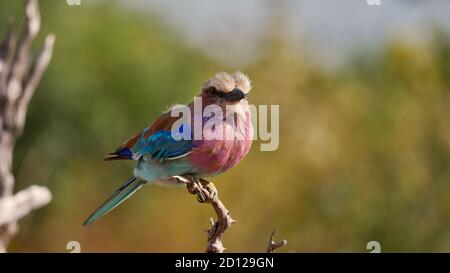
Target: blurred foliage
x,y
364,150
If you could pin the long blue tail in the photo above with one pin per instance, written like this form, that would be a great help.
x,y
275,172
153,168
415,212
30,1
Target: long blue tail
x,y
121,194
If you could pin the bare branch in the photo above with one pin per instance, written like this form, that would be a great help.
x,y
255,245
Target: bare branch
x,y
272,246
207,193
13,208
7,50
22,59
216,232
42,61
18,83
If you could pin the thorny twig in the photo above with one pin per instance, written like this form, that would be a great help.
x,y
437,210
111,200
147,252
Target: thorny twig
x,y
206,193
272,246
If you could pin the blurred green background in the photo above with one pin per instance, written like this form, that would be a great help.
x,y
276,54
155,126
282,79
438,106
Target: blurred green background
x,y
364,147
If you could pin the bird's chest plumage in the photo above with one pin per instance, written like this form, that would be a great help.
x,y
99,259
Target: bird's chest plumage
x,y
214,154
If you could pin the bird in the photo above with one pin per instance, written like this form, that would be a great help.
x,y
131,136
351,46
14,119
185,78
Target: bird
x,y
161,155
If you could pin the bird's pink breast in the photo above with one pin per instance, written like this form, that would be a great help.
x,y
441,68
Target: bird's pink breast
x,y
215,156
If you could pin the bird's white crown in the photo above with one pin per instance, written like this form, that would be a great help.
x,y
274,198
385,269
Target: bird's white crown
x,y
225,82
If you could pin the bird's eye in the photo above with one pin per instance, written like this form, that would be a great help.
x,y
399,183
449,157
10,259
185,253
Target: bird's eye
x,y
214,92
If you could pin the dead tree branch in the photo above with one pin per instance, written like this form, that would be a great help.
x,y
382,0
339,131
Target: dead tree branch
x,y
19,77
272,246
14,207
207,193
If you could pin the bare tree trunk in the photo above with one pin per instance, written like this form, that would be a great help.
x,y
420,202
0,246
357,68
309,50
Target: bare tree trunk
x,y
19,77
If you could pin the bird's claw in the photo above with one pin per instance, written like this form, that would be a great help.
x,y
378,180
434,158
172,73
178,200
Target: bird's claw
x,y
210,187
205,190
201,197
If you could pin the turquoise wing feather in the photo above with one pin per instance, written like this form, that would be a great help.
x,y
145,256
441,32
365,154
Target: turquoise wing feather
x,y
121,194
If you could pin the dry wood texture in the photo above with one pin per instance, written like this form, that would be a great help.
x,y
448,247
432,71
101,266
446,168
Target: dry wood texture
x,y
20,74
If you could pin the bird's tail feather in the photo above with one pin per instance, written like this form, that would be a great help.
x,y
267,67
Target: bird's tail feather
x,y
121,194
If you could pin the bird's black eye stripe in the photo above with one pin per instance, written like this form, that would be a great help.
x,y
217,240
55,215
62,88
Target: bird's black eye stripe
x,y
213,91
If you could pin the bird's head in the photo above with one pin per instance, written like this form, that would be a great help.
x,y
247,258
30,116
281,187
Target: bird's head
x,y
227,88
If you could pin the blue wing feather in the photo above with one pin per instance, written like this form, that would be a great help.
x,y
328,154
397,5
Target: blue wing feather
x,y
159,146
124,153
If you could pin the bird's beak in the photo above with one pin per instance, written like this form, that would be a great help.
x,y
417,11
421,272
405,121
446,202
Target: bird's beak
x,y
235,95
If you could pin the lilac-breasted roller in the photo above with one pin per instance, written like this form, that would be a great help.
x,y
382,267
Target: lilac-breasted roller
x,y
226,135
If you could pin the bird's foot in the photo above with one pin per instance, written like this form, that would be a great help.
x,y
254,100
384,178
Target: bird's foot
x,y
210,187
180,180
205,190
